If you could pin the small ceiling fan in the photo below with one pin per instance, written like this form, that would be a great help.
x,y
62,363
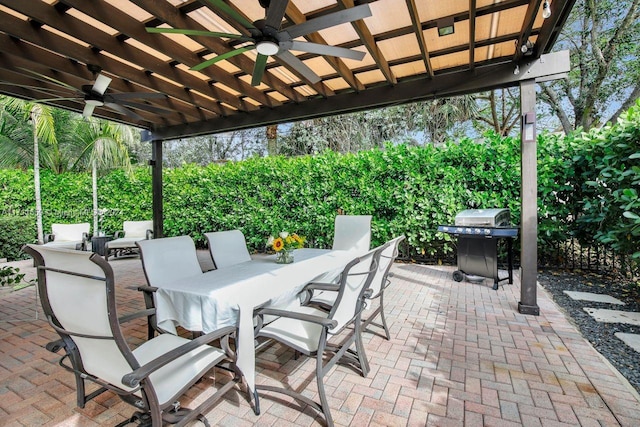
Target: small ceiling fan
x,y
95,95
268,39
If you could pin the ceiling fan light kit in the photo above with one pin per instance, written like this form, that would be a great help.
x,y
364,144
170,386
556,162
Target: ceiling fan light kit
x,y
267,47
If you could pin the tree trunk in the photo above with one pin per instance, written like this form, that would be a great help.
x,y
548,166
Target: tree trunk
x,y
36,176
94,179
272,140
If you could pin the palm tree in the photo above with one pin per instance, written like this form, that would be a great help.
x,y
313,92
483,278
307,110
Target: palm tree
x,y
15,150
101,145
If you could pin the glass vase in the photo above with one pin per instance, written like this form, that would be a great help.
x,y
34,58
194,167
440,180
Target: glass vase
x,y
284,256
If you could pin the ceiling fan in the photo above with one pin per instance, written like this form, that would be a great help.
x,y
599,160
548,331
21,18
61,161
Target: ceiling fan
x,y
268,39
95,95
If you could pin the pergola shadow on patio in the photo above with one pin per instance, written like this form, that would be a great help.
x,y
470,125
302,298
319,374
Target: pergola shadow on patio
x,y
460,355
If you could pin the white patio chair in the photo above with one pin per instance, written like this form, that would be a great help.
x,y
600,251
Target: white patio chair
x,y
227,248
77,292
326,298
124,241
309,330
68,236
164,261
352,233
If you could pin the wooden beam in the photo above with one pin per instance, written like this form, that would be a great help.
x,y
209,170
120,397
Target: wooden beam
x,y
472,34
527,25
490,77
99,41
417,29
370,43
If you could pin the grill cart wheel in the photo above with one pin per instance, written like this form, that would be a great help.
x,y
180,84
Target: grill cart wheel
x,y
458,276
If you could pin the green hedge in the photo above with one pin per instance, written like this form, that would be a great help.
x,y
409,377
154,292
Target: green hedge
x,y
408,190
15,232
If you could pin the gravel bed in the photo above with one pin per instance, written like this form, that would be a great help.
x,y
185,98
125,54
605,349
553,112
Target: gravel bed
x,y
599,334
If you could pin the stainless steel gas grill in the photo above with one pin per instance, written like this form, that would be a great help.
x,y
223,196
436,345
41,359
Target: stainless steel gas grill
x,y
479,232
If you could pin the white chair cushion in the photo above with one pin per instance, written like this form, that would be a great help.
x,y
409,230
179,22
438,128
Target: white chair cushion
x,y
228,248
69,232
63,244
124,242
296,333
169,380
169,259
136,228
352,233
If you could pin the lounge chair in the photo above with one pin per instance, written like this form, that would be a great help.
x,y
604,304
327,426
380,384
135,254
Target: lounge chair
x,y
124,242
68,236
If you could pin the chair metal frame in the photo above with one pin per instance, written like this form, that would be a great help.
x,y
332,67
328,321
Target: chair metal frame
x,y
131,248
142,395
385,281
341,352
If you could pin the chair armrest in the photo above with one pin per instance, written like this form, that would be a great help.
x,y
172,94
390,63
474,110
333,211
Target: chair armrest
x,y
118,234
142,313
317,286
147,293
149,234
132,379
328,323
49,238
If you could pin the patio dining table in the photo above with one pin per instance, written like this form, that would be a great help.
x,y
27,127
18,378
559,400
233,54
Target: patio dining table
x,y
228,296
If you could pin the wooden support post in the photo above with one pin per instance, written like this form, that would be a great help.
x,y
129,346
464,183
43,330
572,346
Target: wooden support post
x,y
156,184
529,198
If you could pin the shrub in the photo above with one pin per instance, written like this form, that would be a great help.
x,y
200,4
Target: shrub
x,y
15,232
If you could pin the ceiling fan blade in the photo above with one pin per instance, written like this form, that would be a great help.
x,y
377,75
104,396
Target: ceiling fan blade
x,y
330,20
88,110
101,84
48,90
122,110
137,95
299,66
323,49
57,99
146,107
258,69
223,7
275,13
51,79
225,55
189,32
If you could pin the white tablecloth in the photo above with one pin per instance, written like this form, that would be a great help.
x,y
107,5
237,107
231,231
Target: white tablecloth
x,y
228,296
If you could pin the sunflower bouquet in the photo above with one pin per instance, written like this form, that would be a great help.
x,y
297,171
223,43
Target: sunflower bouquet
x,y
285,241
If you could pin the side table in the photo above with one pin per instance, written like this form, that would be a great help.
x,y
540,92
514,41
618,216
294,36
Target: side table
x,y
98,242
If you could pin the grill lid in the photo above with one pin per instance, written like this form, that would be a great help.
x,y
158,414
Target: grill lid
x,y
484,217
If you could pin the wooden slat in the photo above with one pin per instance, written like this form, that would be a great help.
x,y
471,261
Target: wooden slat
x,y
417,29
370,44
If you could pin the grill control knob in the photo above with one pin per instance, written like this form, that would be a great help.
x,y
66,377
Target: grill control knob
x,y
487,231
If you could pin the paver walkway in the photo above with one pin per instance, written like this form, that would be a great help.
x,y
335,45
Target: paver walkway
x,y
460,355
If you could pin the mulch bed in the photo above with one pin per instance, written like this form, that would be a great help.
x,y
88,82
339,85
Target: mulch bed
x,y
599,334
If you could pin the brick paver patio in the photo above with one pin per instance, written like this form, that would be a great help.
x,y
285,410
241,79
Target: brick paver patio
x,y
460,355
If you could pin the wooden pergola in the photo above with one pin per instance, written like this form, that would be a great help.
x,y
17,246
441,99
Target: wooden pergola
x,y
411,50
